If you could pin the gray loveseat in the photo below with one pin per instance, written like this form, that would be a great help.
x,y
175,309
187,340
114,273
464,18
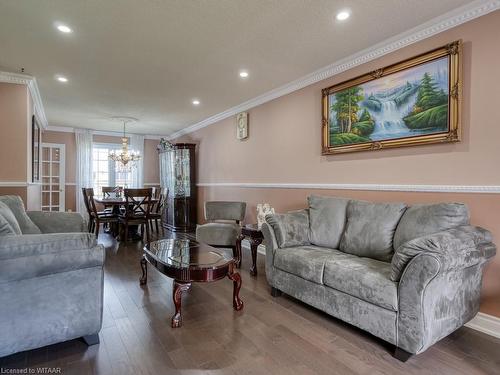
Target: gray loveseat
x,y
409,275
51,278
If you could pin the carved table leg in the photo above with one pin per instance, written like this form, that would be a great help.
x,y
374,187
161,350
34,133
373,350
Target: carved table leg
x,y
235,276
178,289
237,259
144,266
254,244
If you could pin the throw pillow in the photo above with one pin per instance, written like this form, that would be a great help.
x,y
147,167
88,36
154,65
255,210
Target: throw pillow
x,y
370,229
16,205
291,229
327,220
423,219
8,222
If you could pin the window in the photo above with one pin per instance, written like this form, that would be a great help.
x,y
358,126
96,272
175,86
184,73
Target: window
x,y
105,171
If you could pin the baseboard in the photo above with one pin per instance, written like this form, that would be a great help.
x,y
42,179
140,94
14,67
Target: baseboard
x,y
482,322
485,323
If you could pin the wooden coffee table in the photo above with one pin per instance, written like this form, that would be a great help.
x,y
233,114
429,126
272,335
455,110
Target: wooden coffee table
x,y
188,261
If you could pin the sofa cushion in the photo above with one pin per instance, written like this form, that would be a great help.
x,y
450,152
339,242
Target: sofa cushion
x,y
423,219
8,222
327,220
291,229
221,234
370,229
16,204
364,278
306,262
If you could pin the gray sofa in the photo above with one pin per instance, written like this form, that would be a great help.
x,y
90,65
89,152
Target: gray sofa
x,y
409,275
51,278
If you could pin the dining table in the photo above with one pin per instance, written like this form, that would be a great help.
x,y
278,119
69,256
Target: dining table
x,y
116,203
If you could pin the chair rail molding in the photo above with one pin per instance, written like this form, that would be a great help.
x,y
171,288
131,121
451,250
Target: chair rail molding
x,y
14,183
30,81
482,189
435,26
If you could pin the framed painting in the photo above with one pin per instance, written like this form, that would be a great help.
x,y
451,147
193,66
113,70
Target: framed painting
x,y
35,150
414,102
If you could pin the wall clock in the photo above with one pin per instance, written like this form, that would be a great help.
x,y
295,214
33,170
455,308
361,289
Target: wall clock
x,y
242,126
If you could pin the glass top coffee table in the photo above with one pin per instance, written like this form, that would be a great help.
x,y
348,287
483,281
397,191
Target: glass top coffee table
x,y
188,261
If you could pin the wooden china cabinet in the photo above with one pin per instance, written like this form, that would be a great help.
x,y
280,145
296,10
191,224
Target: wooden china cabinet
x,y
177,174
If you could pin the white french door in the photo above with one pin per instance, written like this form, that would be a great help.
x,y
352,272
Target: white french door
x,y
53,177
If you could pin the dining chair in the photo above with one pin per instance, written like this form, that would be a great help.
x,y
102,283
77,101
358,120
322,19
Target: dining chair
x,y
138,205
156,214
107,190
106,193
96,217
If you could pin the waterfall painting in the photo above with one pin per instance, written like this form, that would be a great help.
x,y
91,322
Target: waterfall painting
x,y
405,104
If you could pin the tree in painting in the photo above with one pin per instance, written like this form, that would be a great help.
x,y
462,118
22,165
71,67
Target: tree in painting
x,y
430,109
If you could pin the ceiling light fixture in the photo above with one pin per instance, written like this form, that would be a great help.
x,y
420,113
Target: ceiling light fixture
x,y
343,15
62,79
196,102
64,29
244,74
126,159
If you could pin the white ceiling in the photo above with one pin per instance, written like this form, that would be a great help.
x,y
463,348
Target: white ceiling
x,y
149,58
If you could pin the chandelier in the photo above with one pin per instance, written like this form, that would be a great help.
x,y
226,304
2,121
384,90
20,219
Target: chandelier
x,y
126,159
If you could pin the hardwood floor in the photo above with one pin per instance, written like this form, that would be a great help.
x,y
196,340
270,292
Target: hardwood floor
x,y
269,336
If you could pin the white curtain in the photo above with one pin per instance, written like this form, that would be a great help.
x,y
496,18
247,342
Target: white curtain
x,y
137,145
84,178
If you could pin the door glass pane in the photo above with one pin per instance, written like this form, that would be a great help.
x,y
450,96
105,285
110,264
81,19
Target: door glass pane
x,y
45,199
55,169
45,169
46,154
56,154
55,198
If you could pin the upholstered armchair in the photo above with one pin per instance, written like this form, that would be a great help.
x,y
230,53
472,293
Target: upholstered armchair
x,y
223,227
51,278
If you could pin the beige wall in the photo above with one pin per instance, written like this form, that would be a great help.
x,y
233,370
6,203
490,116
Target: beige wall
x,y
14,135
285,138
151,168
16,110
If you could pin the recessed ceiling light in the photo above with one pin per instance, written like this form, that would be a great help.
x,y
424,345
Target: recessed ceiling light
x,y
64,29
244,74
62,79
343,15
196,102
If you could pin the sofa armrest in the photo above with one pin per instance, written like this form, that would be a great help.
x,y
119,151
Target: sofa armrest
x,y
34,255
271,245
460,247
440,287
58,222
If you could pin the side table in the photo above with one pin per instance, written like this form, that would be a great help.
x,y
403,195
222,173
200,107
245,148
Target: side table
x,y
254,235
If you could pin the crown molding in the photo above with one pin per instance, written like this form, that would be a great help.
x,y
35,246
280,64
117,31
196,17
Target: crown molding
x,y
67,129
30,81
478,189
435,26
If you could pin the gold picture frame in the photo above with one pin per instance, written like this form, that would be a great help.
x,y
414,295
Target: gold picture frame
x,y
393,107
